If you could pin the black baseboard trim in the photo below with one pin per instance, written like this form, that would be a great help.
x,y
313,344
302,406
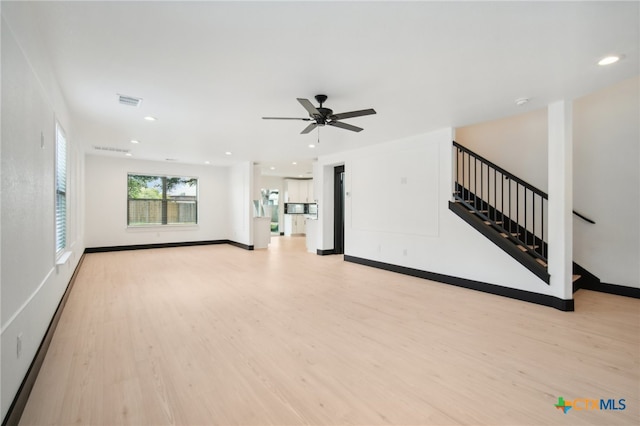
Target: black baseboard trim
x,y
587,279
320,252
22,396
512,293
242,246
165,245
618,290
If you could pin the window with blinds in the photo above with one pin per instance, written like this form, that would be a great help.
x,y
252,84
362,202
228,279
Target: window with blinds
x,y
161,200
61,189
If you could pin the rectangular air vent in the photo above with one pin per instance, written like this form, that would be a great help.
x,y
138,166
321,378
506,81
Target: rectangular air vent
x,y
129,100
110,149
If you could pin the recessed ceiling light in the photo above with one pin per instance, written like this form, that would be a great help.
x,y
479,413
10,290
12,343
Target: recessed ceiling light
x,y
299,175
228,153
150,118
135,141
522,101
294,163
608,60
207,162
128,154
272,168
311,145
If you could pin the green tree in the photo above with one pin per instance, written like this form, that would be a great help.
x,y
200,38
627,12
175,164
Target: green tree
x,y
150,193
136,184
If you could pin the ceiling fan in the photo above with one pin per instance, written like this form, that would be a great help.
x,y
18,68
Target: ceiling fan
x,y
324,116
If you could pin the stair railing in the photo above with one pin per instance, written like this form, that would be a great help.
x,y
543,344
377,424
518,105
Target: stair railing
x,y
514,207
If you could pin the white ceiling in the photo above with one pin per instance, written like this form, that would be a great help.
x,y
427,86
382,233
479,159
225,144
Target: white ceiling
x,y
210,70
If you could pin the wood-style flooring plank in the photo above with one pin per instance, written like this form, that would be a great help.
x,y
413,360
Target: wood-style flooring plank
x,y
222,336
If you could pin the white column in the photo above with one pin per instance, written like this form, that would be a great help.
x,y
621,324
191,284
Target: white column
x,y
560,230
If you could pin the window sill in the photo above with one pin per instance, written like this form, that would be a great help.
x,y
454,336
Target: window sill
x,y
63,258
156,228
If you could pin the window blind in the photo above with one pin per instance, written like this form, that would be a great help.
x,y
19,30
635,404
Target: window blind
x,y
61,189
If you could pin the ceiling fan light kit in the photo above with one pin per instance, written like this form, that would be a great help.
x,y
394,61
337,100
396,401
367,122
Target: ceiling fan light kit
x,y
321,116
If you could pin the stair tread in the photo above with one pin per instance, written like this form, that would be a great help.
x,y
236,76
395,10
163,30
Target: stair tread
x,y
513,234
576,278
542,262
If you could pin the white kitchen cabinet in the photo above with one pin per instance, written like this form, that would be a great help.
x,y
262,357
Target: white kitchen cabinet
x,y
294,224
310,197
299,190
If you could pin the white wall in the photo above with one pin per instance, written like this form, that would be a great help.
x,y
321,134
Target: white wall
x,y
607,183
397,212
239,201
606,180
106,203
518,144
31,285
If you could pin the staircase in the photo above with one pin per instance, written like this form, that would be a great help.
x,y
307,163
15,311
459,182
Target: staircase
x,y
504,208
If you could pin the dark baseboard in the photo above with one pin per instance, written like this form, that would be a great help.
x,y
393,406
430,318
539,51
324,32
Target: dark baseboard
x,y
165,245
22,396
325,252
512,293
619,290
587,279
242,246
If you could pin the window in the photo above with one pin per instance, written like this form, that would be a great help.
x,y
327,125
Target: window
x,y
61,189
161,200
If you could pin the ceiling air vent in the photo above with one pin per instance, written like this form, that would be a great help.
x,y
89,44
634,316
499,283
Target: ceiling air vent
x,y
129,100
110,149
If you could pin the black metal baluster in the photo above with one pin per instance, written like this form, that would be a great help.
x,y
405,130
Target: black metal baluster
x,y
533,213
481,207
526,230
475,182
518,208
544,249
495,195
502,196
509,181
463,181
468,194
455,188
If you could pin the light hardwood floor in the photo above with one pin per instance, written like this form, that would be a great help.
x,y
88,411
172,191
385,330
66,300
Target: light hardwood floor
x,y
220,335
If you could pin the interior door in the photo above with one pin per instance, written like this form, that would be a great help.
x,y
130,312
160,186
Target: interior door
x,y
338,212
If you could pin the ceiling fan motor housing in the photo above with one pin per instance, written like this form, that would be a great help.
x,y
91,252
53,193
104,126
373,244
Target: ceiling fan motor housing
x,y
321,99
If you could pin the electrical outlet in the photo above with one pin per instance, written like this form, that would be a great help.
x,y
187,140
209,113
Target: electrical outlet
x,y
19,345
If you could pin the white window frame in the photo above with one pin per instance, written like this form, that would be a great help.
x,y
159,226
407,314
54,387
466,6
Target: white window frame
x,y
165,199
60,190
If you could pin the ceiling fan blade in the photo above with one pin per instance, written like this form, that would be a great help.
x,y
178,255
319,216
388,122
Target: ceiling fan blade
x,y
309,128
352,114
309,106
345,126
285,118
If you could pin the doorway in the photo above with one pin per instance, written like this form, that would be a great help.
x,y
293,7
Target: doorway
x,y
338,210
